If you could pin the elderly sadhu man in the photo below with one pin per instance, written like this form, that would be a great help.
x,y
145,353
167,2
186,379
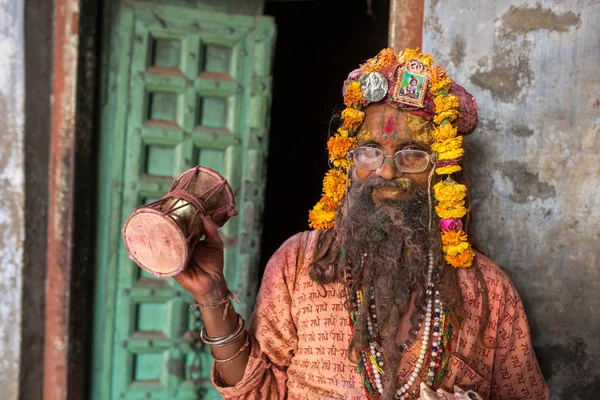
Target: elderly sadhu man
x,y
388,297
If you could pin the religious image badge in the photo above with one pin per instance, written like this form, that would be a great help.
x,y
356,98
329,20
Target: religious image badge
x,y
374,87
412,83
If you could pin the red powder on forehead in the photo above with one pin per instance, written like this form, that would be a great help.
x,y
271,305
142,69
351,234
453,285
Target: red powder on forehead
x,y
389,125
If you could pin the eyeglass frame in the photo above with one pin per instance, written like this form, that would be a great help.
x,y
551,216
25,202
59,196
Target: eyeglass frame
x,y
431,158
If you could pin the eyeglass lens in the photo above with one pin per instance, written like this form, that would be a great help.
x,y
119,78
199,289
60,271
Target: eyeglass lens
x,y
406,160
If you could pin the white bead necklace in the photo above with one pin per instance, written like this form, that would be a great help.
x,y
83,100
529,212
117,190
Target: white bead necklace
x,y
433,322
426,332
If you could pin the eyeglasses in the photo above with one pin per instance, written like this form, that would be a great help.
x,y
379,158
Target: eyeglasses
x,y
410,161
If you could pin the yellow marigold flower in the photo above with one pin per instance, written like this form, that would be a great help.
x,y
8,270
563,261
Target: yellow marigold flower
x,y
448,145
415,54
342,132
334,185
320,220
449,191
445,103
452,238
354,97
450,169
456,249
443,84
450,115
322,216
342,163
462,260
444,132
385,58
456,211
451,155
352,119
338,146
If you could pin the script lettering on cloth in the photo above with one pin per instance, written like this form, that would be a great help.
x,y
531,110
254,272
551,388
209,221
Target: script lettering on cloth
x,y
300,333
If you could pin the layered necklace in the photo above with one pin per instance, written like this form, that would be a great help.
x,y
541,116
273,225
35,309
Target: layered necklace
x,y
371,364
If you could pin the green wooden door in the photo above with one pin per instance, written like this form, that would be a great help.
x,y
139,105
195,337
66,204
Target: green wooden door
x,y
181,87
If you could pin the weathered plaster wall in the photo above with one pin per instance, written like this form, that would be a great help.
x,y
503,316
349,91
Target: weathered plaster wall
x,y
533,69
11,193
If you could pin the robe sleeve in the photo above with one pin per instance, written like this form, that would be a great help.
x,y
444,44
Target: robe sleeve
x,y
516,373
272,332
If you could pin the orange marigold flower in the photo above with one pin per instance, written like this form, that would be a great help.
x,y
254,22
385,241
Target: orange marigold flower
x,y
451,238
339,146
385,58
462,260
352,119
437,73
354,97
334,185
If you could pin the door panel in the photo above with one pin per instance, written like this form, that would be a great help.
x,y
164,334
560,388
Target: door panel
x,y
183,87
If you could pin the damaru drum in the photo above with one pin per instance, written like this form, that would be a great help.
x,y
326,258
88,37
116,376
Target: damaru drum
x,y
161,236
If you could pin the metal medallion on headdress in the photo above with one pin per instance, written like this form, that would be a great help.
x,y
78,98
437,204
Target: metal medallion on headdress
x,y
374,87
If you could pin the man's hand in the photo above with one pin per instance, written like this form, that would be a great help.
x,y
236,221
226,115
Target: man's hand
x,y
440,394
203,277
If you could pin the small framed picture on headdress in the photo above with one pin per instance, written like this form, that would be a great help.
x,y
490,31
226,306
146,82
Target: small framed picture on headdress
x,y
411,88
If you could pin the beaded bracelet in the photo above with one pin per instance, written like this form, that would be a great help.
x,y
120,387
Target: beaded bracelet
x,y
237,353
227,339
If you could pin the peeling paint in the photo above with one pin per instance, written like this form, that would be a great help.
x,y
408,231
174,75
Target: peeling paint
x,y
506,80
60,221
11,193
458,51
525,185
523,19
522,131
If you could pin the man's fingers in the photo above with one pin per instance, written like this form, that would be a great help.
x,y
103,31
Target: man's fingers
x,y
211,231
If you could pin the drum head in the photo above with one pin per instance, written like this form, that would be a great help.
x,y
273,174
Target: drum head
x,y
155,243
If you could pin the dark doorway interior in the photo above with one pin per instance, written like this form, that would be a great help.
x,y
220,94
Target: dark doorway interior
x,y
318,44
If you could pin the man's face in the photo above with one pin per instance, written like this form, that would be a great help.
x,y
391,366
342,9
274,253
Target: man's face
x,y
392,130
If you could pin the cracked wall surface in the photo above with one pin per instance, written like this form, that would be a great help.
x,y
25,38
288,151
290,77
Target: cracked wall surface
x,y
534,160
11,193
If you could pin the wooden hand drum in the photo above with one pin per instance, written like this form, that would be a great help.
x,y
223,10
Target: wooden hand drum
x,y
161,236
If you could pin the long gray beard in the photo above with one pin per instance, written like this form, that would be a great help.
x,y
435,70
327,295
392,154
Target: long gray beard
x,y
386,248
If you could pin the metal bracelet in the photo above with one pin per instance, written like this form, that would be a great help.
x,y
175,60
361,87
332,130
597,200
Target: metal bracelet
x,y
227,339
237,353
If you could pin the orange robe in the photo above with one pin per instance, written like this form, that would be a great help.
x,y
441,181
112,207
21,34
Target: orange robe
x,y
300,339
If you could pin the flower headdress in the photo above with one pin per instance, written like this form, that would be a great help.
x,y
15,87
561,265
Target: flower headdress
x,y
410,81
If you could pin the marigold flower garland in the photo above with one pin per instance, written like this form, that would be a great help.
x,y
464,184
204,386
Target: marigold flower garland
x,y
447,143
449,194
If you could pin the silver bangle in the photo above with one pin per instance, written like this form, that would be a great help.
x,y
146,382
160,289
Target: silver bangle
x,y
227,339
